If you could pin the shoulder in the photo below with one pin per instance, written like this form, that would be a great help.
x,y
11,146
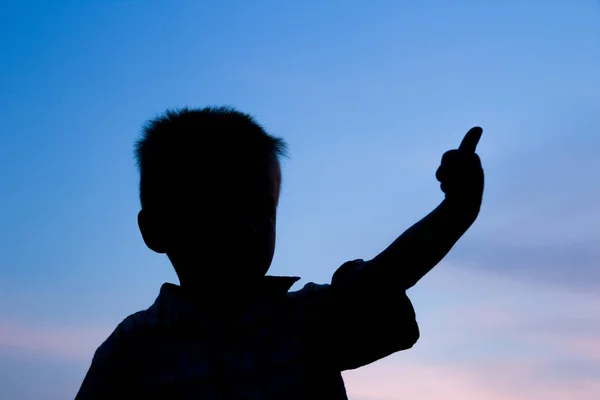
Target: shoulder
x,y
130,330
137,323
316,292
116,361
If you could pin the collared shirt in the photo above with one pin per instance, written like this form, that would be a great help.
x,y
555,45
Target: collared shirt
x,y
287,345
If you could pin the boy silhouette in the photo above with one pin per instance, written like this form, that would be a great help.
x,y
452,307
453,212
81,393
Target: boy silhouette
x,y
209,187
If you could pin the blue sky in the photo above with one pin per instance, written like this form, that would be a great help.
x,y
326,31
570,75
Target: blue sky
x,y
369,95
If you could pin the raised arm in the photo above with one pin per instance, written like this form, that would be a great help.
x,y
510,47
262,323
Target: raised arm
x,y
427,242
367,314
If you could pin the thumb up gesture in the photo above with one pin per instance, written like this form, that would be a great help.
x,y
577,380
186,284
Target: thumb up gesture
x,y
461,175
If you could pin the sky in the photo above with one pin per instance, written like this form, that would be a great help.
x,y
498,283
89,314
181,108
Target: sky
x,y
369,95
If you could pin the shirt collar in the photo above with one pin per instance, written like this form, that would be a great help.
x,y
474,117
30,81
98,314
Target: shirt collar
x,y
171,304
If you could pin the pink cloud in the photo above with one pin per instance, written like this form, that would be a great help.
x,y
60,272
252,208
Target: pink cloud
x,y
491,381
587,347
392,382
582,347
72,343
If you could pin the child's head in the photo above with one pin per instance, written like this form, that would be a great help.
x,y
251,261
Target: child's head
x,y
209,187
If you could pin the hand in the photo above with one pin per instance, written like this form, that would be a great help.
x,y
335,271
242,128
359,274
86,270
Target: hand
x,y
461,174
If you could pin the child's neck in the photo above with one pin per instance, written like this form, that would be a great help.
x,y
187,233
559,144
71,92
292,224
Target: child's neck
x,y
217,290
220,300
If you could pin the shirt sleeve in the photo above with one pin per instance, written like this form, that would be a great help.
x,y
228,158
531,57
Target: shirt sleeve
x,y
354,323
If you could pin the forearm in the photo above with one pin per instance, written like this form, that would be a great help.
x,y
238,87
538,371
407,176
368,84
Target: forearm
x,y
420,248
426,243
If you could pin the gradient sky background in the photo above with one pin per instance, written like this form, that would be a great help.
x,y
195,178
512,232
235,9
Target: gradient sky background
x,y
369,95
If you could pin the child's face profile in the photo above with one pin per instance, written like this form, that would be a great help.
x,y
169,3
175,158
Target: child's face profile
x,y
226,229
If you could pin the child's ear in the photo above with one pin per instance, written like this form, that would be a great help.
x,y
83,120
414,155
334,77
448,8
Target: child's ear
x,y
153,232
